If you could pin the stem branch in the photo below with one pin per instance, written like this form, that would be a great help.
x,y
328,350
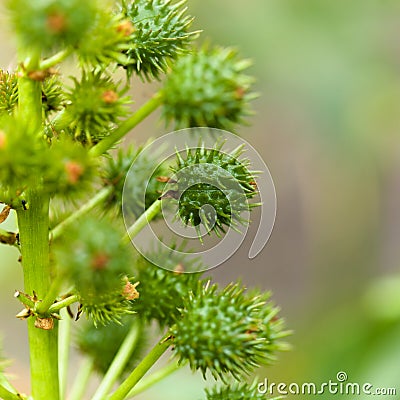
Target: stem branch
x,y
143,220
154,378
7,395
138,373
118,364
82,378
86,208
55,59
63,303
63,352
51,295
143,112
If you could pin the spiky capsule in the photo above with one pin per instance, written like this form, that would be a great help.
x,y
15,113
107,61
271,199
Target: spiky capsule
x,y
49,24
209,88
71,168
107,39
52,93
95,261
8,92
160,35
20,147
227,332
213,188
165,285
94,105
141,189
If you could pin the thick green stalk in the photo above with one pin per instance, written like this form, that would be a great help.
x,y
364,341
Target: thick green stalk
x,y
33,224
158,350
127,125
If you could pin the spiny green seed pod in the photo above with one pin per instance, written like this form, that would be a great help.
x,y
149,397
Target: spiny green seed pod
x,y
94,106
102,343
106,40
160,35
226,332
106,309
96,262
53,98
213,188
209,88
21,150
162,290
52,94
236,391
143,189
8,92
71,170
49,24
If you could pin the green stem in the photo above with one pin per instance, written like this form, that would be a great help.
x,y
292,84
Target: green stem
x,y
118,364
144,111
138,373
33,228
7,395
63,351
86,208
154,378
143,220
81,381
51,295
62,304
55,59
33,224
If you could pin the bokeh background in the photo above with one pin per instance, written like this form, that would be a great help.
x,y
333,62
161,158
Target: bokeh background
x,y
327,124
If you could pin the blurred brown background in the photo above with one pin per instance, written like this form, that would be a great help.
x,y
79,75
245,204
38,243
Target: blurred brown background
x,y
327,125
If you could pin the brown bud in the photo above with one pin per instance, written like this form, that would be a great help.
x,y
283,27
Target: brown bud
x,y
99,261
129,291
57,22
239,93
109,96
41,75
74,171
254,184
126,28
44,323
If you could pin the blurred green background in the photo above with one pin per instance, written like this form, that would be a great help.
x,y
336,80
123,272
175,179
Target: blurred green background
x,y
327,124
